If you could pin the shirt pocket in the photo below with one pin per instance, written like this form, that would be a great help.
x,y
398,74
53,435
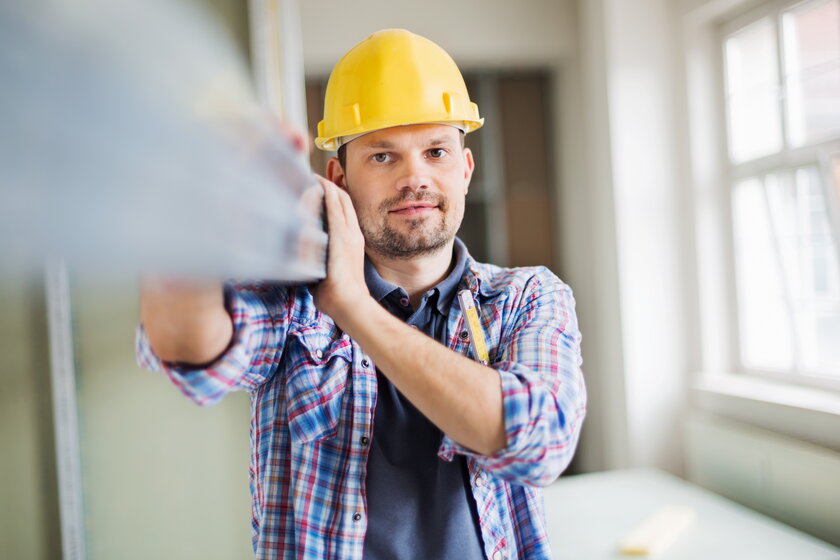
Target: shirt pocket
x,y
317,380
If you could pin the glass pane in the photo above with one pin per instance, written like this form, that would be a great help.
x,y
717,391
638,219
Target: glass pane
x,y
811,34
765,328
752,92
818,303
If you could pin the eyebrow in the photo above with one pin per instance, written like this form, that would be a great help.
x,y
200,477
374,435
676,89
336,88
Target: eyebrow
x,y
380,145
386,145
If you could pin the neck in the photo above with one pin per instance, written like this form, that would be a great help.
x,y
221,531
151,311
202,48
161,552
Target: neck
x,y
416,275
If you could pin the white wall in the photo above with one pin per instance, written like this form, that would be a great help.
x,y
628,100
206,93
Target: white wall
x,y
494,33
632,289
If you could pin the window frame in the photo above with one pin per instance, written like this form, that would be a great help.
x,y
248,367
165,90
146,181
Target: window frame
x,y
787,160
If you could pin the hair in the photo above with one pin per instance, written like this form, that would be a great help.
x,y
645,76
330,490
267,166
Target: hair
x,y
342,156
342,152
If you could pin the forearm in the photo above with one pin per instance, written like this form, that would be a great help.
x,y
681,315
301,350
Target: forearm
x,y
460,396
185,321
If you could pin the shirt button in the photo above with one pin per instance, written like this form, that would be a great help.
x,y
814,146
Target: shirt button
x,y
319,354
364,440
357,517
464,335
365,362
498,555
404,302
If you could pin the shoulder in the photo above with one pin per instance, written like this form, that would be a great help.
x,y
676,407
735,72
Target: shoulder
x,y
533,280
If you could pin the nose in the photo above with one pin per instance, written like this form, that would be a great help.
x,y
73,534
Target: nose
x,y
414,174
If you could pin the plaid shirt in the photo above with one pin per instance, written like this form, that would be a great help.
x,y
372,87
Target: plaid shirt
x,y
313,395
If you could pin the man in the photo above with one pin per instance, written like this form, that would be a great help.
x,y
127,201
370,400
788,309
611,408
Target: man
x,y
374,432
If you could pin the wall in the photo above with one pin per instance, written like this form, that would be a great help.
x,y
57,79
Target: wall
x,y
641,79
790,480
491,33
624,250
29,526
162,477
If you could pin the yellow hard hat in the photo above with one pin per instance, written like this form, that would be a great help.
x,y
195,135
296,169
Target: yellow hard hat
x,y
393,78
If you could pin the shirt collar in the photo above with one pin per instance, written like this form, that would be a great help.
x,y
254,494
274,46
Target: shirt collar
x,y
446,288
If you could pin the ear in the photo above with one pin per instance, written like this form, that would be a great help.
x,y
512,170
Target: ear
x,y
335,173
469,167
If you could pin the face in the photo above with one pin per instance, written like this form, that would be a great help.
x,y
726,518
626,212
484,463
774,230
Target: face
x,y
408,185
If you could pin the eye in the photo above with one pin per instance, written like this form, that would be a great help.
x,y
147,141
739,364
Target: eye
x,y
437,153
381,157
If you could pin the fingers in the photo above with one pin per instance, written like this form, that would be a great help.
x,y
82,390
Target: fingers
x,y
301,142
335,213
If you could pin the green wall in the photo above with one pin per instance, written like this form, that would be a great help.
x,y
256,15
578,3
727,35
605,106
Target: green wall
x,y
162,477
28,503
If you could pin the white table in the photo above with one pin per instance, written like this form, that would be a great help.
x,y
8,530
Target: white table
x,y
588,514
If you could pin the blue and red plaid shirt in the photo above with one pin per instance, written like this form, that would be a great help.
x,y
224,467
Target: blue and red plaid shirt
x,y
313,395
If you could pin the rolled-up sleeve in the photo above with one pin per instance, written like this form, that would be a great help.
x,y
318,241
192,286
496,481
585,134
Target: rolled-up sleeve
x,y
260,315
544,397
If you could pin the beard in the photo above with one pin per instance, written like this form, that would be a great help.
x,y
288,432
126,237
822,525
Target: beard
x,y
416,236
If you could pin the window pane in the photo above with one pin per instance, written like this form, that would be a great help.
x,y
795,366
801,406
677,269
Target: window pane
x,y
765,328
752,91
811,34
818,302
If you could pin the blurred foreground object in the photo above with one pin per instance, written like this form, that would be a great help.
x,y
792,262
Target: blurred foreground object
x,y
131,140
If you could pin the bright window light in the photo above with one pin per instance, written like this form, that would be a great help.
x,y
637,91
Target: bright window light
x,y
811,36
752,91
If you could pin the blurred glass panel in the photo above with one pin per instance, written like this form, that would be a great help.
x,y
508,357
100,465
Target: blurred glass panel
x,y
120,163
818,302
765,328
811,34
752,92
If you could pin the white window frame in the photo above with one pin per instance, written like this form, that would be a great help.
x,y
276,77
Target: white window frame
x,y
788,159
716,386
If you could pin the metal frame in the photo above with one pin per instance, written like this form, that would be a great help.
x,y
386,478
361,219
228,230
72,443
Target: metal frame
x,y
277,53
68,453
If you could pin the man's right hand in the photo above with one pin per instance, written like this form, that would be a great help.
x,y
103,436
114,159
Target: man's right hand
x,y
185,320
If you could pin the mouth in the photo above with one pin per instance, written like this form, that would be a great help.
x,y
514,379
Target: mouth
x,y
413,209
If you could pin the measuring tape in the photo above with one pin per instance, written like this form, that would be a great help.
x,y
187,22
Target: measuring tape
x,y
477,344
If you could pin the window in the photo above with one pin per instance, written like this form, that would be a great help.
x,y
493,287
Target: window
x,y
782,100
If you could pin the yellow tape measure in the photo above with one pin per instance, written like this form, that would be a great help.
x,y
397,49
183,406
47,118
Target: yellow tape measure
x,y
477,344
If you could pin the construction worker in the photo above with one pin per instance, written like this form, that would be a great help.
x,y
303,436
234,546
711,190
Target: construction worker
x,y
377,430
